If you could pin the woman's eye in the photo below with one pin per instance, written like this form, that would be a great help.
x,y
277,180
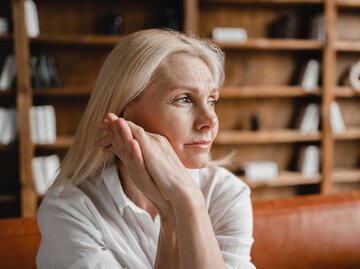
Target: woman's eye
x,y
183,100
213,102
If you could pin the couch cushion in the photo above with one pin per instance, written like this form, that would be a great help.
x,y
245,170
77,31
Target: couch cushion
x,y
308,232
19,241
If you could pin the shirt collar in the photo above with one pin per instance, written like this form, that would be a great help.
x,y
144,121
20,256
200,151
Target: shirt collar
x,y
112,182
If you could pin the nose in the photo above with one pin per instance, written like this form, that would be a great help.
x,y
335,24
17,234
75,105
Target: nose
x,y
206,119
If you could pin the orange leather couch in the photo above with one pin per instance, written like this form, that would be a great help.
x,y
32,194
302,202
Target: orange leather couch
x,y
303,232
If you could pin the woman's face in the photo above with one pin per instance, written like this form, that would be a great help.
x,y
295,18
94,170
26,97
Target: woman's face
x,y
180,105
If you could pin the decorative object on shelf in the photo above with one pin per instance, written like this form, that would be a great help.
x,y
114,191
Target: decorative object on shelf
x,y
283,27
43,72
44,170
255,122
336,119
354,76
31,18
310,161
8,73
4,27
310,78
229,34
317,30
173,20
8,125
115,24
311,120
43,124
260,170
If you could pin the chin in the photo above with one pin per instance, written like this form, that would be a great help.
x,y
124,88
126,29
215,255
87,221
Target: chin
x,y
196,163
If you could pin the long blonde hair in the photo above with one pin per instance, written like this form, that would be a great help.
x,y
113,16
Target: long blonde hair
x,y
125,74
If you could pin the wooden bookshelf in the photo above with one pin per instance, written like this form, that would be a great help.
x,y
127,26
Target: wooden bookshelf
x,y
350,46
285,178
257,2
346,175
266,92
62,142
346,92
86,40
264,137
348,3
67,91
349,134
272,44
262,77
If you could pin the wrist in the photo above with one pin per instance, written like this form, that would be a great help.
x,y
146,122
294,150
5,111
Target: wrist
x,y
190,201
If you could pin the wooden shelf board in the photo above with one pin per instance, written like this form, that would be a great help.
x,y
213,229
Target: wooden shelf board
x,y
287,2
62,142
273,44
343,175
85,39
265,91
350,134
347,45
348,3
7,147
4,93
8,198
6,37
346,91
264,137
63,91
285,178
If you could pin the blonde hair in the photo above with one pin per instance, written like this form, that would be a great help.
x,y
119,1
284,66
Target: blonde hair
x,y
125,74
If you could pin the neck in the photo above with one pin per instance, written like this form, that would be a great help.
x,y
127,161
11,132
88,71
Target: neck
x,y
133,192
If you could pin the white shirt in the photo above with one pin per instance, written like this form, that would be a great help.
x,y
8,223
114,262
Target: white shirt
x,y
95,225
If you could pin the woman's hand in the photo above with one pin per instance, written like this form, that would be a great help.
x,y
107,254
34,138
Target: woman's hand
x,y
119,140
154,154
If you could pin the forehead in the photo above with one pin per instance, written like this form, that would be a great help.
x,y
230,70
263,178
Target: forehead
x,y
182,70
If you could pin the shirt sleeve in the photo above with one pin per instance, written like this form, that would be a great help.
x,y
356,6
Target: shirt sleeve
x,y
233,223
70,238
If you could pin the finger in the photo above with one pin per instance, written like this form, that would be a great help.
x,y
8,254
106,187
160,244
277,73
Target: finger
x,y
103,142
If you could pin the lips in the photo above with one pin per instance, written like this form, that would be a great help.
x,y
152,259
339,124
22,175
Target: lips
x,y
201,144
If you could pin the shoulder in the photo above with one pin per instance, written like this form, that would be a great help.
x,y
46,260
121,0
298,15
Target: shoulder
x,y
218,181
64,204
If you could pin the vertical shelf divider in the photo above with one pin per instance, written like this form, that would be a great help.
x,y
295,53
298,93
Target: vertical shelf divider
x,y
24,102
329,65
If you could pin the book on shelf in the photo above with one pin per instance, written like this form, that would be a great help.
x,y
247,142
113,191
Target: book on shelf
x,y
260,170
317,29
336,119
311,75
44,171
43,124
310,160
311,120
229,34
8,73
43,72
8,125
354,76
31,18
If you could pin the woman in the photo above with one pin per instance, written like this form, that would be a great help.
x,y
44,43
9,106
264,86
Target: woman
x,y
150,198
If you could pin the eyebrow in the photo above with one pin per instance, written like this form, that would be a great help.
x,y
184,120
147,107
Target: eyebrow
x,y
193,89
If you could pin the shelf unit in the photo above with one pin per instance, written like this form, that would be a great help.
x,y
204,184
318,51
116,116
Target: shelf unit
x,y
253,85
261,79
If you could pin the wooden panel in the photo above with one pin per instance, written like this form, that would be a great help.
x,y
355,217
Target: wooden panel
x,y
273,114
254,18
265,91
68,17
350,149
262,67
